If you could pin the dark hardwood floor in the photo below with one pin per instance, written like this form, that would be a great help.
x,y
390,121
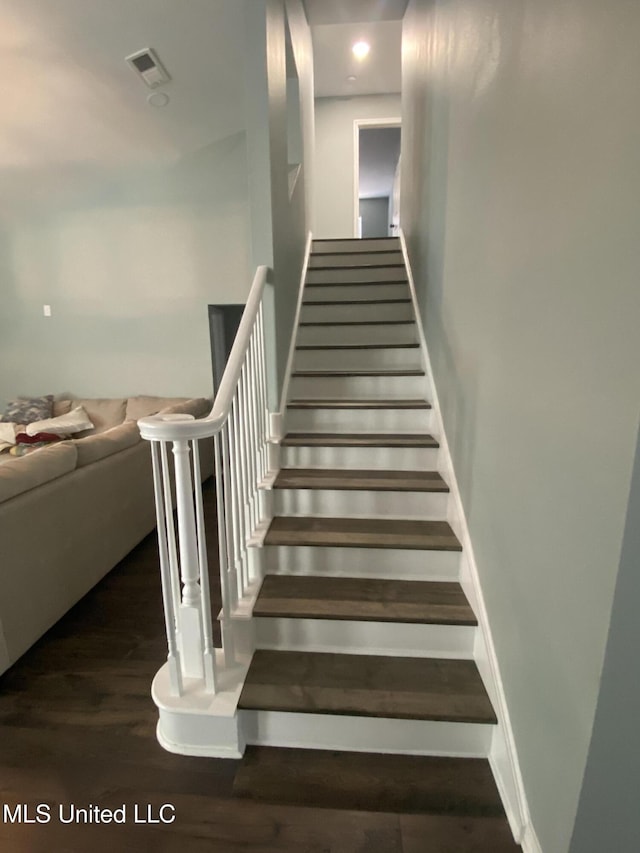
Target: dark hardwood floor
x,y
77,727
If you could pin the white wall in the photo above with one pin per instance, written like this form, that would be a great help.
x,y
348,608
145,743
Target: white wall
x,y
521,201
128,268
333,209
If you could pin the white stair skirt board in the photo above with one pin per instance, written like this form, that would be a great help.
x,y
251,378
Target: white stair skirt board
x,y
356,503
356,387
378,358
361,313
359,292
366,734
366,458
357,420
199,723
379,244
342,276
356,259
361,333
345,636
392,563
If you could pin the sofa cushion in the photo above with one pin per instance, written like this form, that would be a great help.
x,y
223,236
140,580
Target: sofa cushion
x,y
95,447
61,407
143,406
21,475
198,407
103,413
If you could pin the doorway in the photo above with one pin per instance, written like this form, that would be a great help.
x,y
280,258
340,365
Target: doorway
x,y
376,177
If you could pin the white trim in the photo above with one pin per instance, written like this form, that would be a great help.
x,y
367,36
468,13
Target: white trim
x,y
294,334
504,757
395,121
529,841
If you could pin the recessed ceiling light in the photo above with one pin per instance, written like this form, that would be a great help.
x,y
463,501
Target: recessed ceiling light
x,y
361,49
351,79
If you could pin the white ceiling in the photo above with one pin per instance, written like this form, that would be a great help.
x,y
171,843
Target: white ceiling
x,y
71,102
336,25
334,62
353,11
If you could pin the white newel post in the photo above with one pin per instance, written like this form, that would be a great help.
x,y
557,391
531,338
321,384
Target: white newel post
x,y
189,614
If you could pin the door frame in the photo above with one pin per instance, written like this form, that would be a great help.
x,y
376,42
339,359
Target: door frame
x,y
394,121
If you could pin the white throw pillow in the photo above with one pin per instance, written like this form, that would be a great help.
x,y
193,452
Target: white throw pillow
x,y
74,421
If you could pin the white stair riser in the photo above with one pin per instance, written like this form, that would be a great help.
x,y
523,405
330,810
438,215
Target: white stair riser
x,y
356,259
361,313
365,734
392,563
356,387
361,292
404,333
358,420
359,637
373,458
380,244
347,503
407,358
339,276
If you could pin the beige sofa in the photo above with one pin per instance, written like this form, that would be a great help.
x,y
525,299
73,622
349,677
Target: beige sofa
x,y
70,512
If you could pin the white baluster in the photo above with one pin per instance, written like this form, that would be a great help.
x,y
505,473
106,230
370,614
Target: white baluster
x,y
173,657
208,652
226,584
190,608
171,529
261,400
263,382
239,495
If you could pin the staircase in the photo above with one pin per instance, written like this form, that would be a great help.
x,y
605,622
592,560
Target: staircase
x,y
364,637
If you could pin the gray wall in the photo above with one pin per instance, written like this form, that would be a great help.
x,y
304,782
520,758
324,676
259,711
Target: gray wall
x,y
520,199
375,217
333,208
608,810
128,268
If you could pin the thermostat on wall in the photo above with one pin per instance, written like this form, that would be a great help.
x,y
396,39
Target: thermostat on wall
x,y
148,66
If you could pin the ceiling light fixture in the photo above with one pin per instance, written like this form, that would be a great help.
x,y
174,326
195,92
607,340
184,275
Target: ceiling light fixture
x,y
351,78
361,49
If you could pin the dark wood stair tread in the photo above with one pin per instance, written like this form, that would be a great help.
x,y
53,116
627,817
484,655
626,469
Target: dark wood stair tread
x,y
357,404
368,599
358,267
351,239
358,302
357,346
366,686
359,372
358,439
358,323
362,781
358,479
362,533
340,283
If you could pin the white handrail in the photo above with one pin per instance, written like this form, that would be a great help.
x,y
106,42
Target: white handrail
x,y
173,427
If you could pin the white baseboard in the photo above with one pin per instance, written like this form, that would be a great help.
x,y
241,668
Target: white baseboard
x,y
503,758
